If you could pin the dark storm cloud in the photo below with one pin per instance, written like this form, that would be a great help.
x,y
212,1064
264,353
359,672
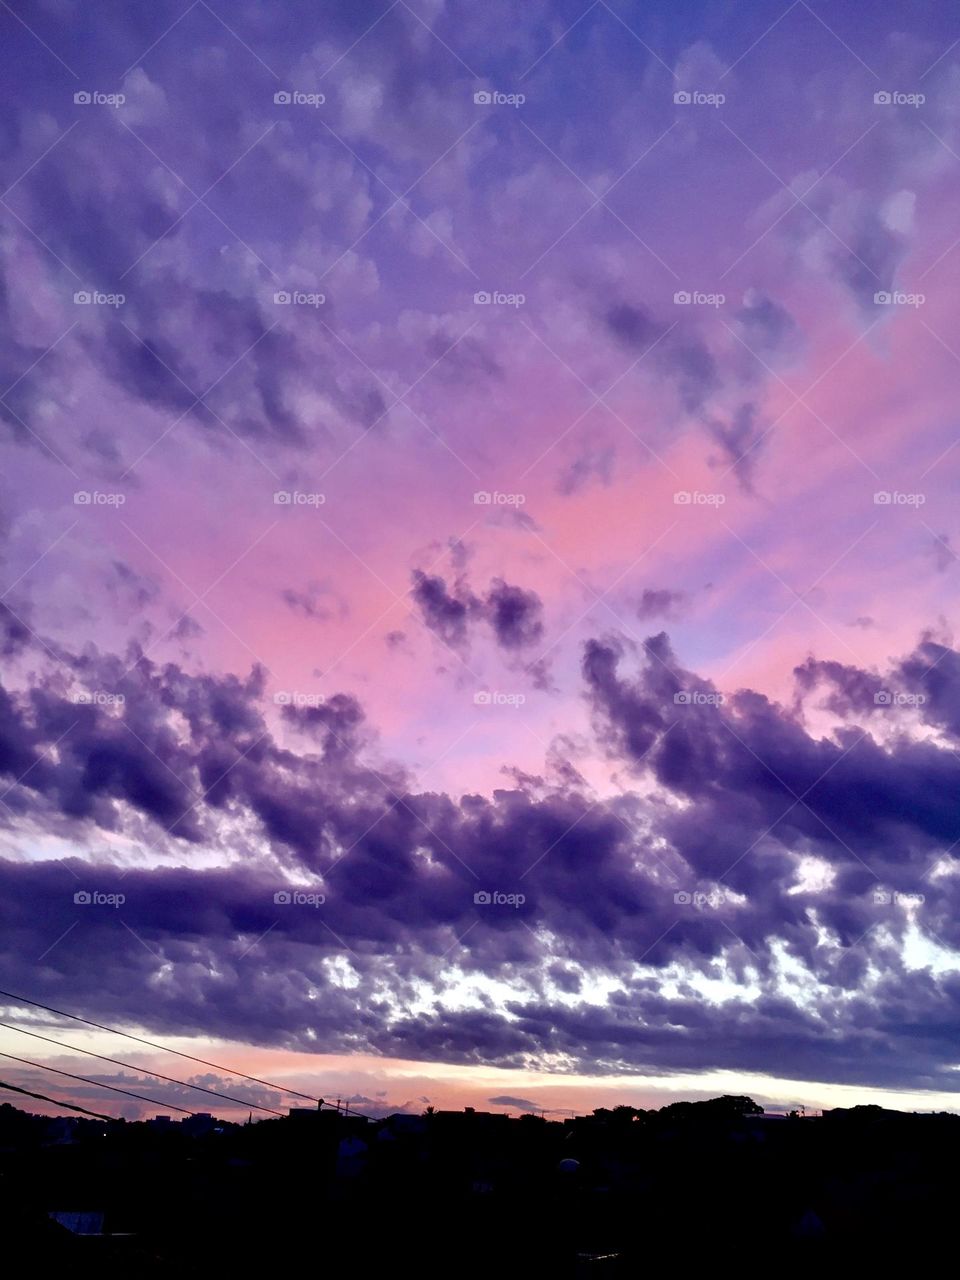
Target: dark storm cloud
x,y
707,885
874,813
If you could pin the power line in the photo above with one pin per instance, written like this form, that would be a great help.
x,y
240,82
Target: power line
x,y
99,1083
130,1067
57,1102
153,1045
269,1084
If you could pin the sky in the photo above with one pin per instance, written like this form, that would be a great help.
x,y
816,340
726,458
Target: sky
x,y
478,548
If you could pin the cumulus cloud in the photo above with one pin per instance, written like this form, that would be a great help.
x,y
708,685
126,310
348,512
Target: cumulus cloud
x,y
514,615
696,877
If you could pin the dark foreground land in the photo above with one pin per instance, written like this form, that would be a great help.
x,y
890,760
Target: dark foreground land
x,y
470,1194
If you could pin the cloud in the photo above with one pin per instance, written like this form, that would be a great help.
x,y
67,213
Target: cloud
x,y
446,613
768,327
594,463
317,601
515,615
188,766
659,603
739,436
943,554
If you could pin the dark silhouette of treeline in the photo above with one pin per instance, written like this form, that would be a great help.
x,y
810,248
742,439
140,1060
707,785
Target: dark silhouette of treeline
x,y
480,1194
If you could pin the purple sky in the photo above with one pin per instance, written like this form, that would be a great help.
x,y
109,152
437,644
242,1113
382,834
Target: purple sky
x,y
488,470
